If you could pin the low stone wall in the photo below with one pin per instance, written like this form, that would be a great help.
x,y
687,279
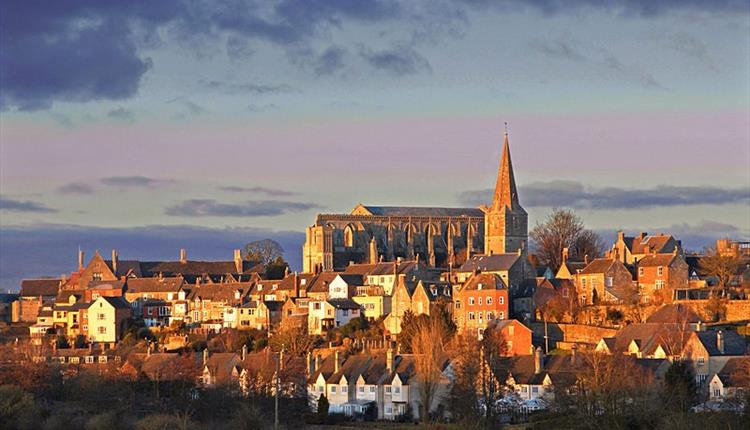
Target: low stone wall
x,y
737,310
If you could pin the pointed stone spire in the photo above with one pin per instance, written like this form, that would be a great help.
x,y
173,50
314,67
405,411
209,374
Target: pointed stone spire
x,y
505,189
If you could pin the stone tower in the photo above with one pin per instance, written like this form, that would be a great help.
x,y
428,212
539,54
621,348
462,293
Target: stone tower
x,y
505,221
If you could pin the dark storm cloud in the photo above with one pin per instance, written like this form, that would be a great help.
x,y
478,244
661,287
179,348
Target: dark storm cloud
x,y
14,205
260,190
133,181
398,60
207,207
54,246
76,188
574,194
83,50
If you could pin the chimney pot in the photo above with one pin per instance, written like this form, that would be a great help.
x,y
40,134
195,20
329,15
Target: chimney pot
x,y
336,361
538,360
720,341
183,255
80,259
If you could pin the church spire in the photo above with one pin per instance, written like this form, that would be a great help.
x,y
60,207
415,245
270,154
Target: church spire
x,y
505,189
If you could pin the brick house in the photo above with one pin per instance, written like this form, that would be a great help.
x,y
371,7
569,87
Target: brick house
x,y
516,335
482,299
34,292
659,275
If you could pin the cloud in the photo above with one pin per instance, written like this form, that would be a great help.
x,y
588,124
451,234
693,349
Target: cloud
x,y
13,205
694,48
273,192
133,181
234,88
76,188
192,108
573,194
399,60
207,207
330,61
121,114
54,246
641,8
630,73
558,49
262,108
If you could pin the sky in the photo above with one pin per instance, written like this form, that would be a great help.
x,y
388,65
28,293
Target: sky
x,y
150,126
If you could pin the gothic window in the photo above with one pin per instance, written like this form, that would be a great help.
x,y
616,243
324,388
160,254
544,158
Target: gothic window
x,y
349,236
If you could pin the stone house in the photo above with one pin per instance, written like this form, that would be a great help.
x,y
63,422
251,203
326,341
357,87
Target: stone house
x,y
629,249
517,337
214,302
258,315
107,317
709,351
324,315
139,290
373,301
731,382
604,280
33,293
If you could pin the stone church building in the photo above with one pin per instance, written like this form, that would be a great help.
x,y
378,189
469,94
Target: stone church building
x,y
439,236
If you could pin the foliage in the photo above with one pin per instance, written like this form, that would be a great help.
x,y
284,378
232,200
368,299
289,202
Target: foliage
x,y
62,341
163,422
276,269
615,315
264,251
323,406
721,267
680,387
410,323
16,407
247,417
564,229
292,340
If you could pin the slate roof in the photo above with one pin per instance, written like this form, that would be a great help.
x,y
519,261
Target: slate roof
x,y
419,211
734,371
39,287
653,260
343,304
734,343
106,285
490,263
651,335
220,292
117,302
656,243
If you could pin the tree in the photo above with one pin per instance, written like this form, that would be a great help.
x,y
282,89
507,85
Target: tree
x,y
429,358
679,386
276,269
564,229
411,323
323,407
264,251
721,267
464,394
291,339
492,371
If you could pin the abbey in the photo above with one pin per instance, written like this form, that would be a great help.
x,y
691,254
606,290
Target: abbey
x,y
441,237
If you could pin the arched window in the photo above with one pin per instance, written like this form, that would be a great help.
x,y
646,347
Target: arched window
x,y
349,236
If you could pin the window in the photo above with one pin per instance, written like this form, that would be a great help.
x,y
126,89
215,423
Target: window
x,y
659,284
660,271
101,317
102,330
479,302
89,359
501,300
387,389
489,300
333,388
361,389
397,390
640,271
389,410
535,390
490,316
471,316
471,301
344,389
511,330
372,388
458,304
608,281
480,316
717,392
510,345
320,388
583,282
316,306
701,361
501,315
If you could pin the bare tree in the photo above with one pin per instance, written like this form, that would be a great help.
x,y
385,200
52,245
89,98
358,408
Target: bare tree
x,y
564,229
721,267
265,251
429,358
493,371
464,395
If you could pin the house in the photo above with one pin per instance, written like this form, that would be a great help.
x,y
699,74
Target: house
x,y
400,304
213,302
387,274
604,280
514,269
629,249
482,299
659,275
96,289
709,351
33,293
294,312
167,289
732,381
107,317
569,267
517,337
258,315
221,369
386,379
373,301
6,306
647,340
324,315
553,296
156,313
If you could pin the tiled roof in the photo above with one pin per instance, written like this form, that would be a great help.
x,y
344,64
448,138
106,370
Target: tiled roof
x,y
155,285
221,365
220,292
419,211
734,372
39,287
117,302
674,313
599,265
653,260
488,281
490,263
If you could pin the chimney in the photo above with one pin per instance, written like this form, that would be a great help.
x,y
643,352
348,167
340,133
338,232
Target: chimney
x,y
148,349
114,261
720,341
373,251
91,347
205,356
573,350
538,360
286,271
295,285
336,361
699,326
244,352
674,252
389,359
238,260
80,259
586,259
642,235
620,236
565,253
183,255
520,250
318,362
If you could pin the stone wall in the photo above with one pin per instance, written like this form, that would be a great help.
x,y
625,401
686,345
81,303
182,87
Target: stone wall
x,y
568,334
737,310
